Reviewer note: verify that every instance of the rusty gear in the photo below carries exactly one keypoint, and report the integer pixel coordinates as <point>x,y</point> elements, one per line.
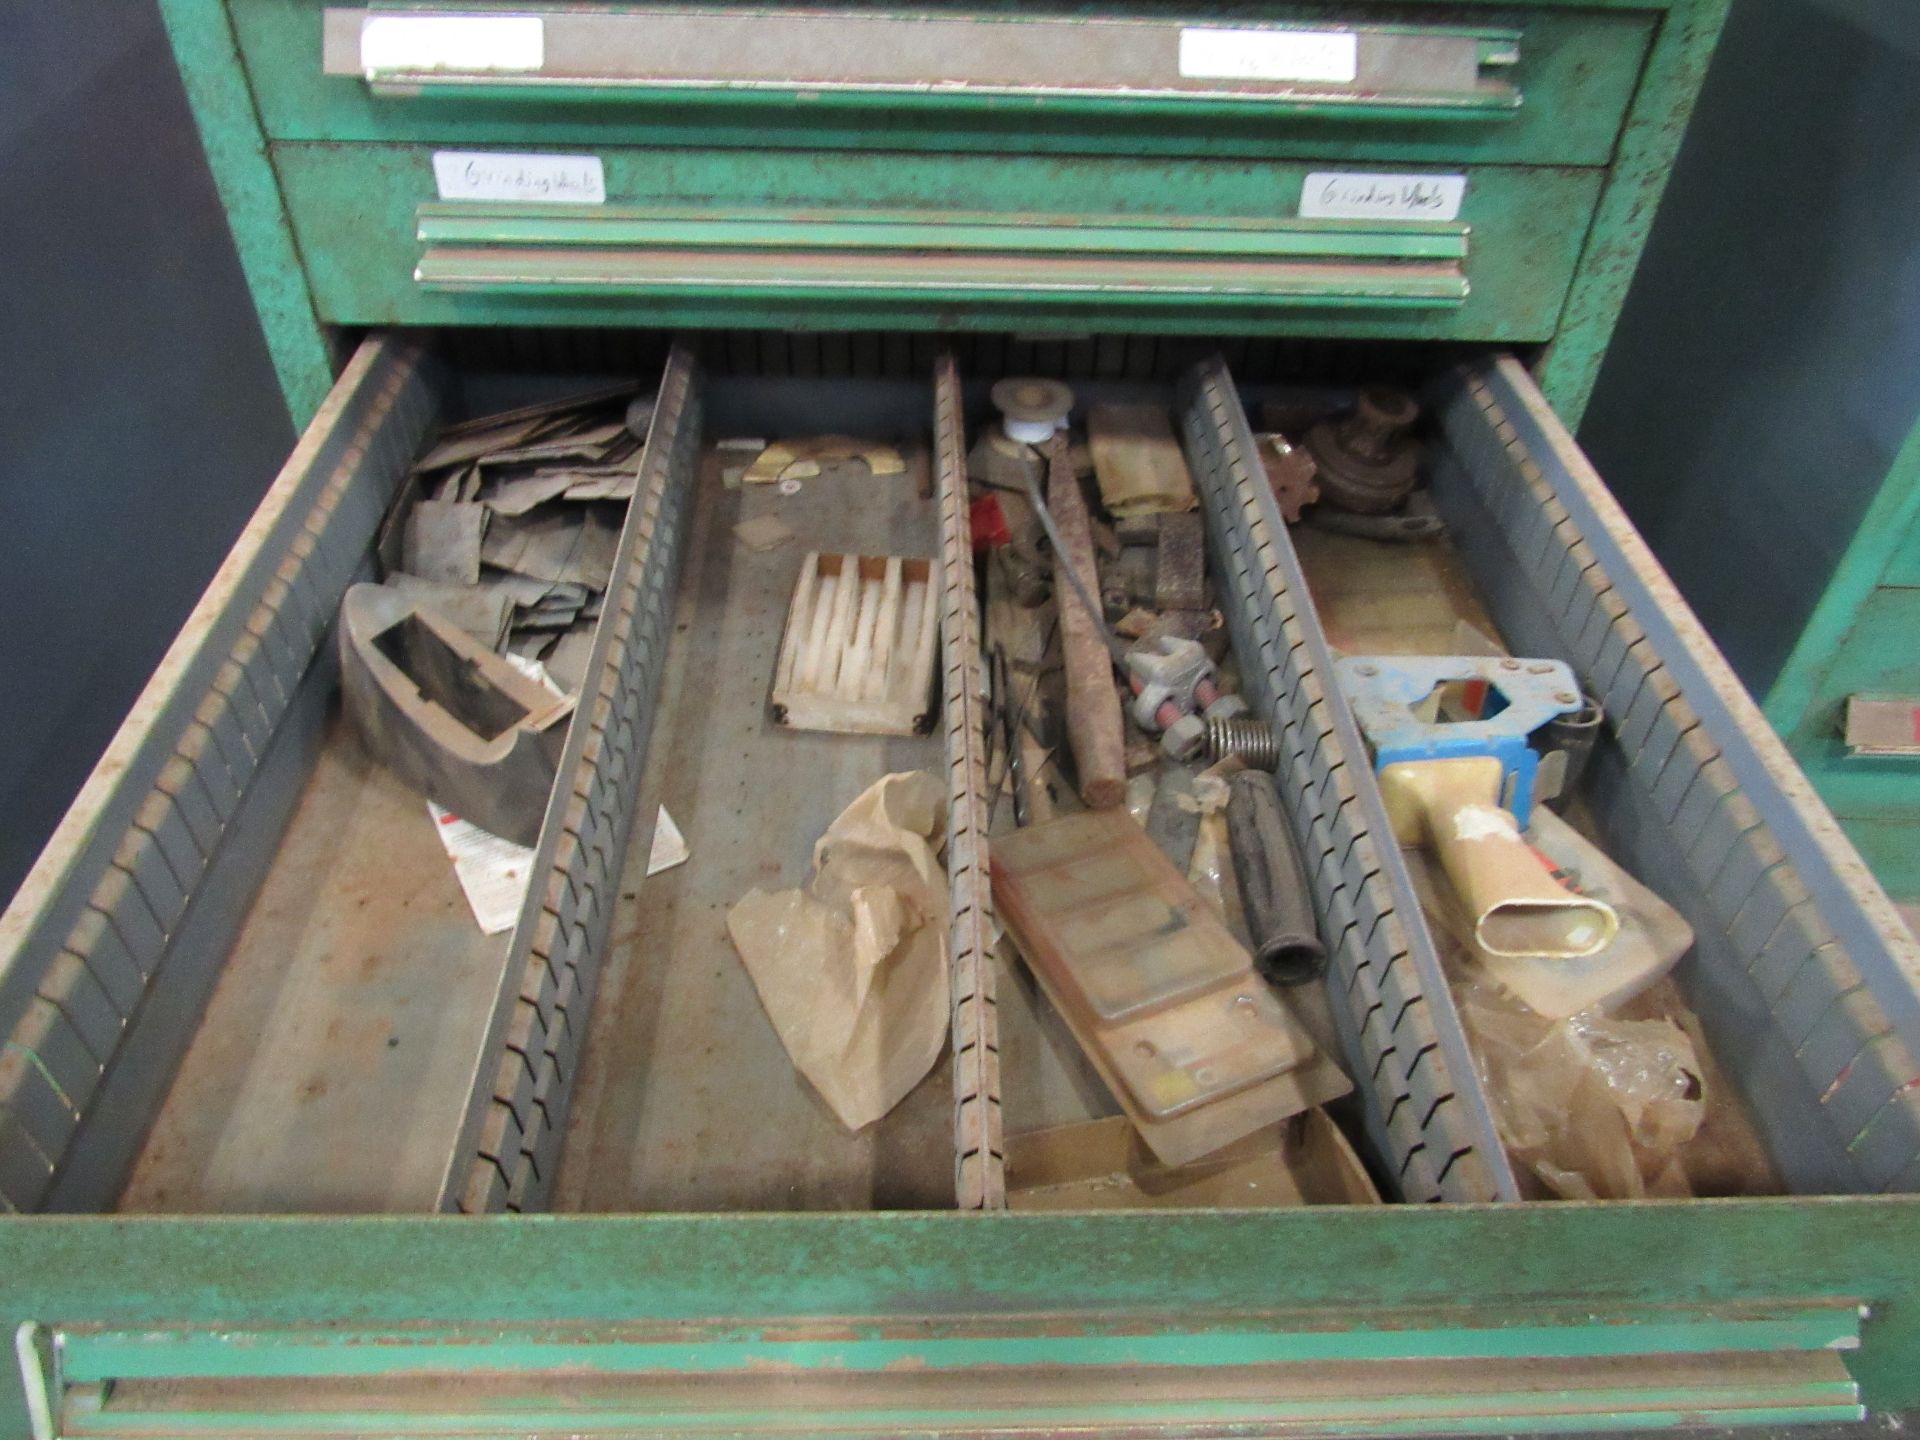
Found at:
<point>1290,474</point>
<point>1368,459</point>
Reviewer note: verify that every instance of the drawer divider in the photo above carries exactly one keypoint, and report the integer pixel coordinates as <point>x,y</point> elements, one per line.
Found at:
<point>979,1152</point>
<point>1425,1109</point>
<point>509,1142</point>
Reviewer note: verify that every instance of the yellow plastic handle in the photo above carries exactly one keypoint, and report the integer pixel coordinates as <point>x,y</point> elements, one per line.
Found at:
<point>1516,906</point>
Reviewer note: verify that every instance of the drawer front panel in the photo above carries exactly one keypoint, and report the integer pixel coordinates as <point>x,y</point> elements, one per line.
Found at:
<point>1362,82</point>
<point>712,238</point>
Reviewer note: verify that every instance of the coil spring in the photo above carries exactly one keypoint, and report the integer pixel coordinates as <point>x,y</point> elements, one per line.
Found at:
<point>1252,740</point>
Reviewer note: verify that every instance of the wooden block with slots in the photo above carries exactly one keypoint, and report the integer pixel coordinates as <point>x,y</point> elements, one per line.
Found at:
<point>859,646</point>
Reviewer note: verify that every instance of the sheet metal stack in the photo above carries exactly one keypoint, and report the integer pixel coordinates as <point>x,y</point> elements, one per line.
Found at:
<point>512,524</point>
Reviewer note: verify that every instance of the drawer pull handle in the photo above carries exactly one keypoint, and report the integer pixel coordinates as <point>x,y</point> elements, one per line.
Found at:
<point>1433,1371</point>
<point>531,250</point>
<point>849,58</point>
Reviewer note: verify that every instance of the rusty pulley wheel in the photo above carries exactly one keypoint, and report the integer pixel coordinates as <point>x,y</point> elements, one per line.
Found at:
<point>1368,458</point>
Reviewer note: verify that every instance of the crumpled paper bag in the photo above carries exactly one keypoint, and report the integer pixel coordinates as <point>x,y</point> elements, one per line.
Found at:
<point>853,970</point>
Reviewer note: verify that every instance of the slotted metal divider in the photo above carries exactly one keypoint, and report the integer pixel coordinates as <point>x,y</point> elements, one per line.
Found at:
<point>980,1181</point>
<point>510,1141</point>
<point>1425,1110</point>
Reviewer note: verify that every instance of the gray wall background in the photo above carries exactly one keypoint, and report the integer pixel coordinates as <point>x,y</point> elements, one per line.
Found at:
<point>1768,364</point>
<point>139,418</point>
<point>1767,367</point>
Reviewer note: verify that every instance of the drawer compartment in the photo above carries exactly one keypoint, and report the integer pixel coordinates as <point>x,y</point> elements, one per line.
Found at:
<point>1495,85</point>
<point>712,238</point>
<point>282,882</point>
<point>610,1055</point>
<point>355,994</point>
<point>1801,974</point>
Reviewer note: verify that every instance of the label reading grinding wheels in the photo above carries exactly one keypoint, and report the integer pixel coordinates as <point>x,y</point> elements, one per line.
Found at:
<point>550,179</point>
<point>1331,195</point>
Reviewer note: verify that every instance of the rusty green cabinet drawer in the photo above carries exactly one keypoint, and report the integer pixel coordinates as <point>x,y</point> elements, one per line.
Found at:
<point>691,1303</point>
<point>717,238</point>
<point>1378,82</point>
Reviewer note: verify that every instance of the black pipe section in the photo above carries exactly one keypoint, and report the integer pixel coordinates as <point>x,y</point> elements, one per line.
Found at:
<point>1273,883</point>
<point>1574,735</point>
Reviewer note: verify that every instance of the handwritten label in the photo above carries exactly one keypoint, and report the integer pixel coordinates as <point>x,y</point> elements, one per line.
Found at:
<point>462,44</point>
<point>555,179</point>
<point>1330,57</point>
<point>1330,195</point>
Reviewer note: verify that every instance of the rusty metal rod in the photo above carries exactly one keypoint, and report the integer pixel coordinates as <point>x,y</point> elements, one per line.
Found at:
<point>1096,728</point>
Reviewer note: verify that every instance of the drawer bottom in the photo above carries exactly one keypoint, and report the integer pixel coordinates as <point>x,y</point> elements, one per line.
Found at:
<point>331,1066</point>
<point>686,1099</point>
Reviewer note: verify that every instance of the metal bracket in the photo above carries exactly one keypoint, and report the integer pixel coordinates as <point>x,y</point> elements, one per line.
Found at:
<point>1386,692</point>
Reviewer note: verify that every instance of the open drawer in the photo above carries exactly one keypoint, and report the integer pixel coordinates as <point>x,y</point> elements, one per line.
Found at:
<point>608,1057</point>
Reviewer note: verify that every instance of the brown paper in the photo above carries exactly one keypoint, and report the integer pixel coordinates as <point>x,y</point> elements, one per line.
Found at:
<point>853,970</point>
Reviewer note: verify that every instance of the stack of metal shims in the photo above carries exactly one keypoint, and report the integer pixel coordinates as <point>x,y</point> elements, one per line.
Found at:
<point>514,522</point>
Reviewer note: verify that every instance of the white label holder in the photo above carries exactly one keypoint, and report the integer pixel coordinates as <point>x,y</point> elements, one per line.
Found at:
<point>1322,57</point>
<point>459,44</point>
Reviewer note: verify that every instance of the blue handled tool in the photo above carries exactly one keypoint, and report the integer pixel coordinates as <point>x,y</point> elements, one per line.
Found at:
<point>1450,737</point>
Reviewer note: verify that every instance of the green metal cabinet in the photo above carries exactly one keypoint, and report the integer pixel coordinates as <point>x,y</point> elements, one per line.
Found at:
<point>306,160</point>
<point>1767,450</point>
<point>1862,644</point>
<point>1078,196</point>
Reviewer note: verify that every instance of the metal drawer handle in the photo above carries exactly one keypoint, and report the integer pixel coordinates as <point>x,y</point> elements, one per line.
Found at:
<point>851,58</point>
<point>894,255</point>
<point>1432,1370</point>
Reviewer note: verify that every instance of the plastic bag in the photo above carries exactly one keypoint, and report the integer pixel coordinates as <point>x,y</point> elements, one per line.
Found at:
<point>1210,867</point>
<point>1597,1108</point>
